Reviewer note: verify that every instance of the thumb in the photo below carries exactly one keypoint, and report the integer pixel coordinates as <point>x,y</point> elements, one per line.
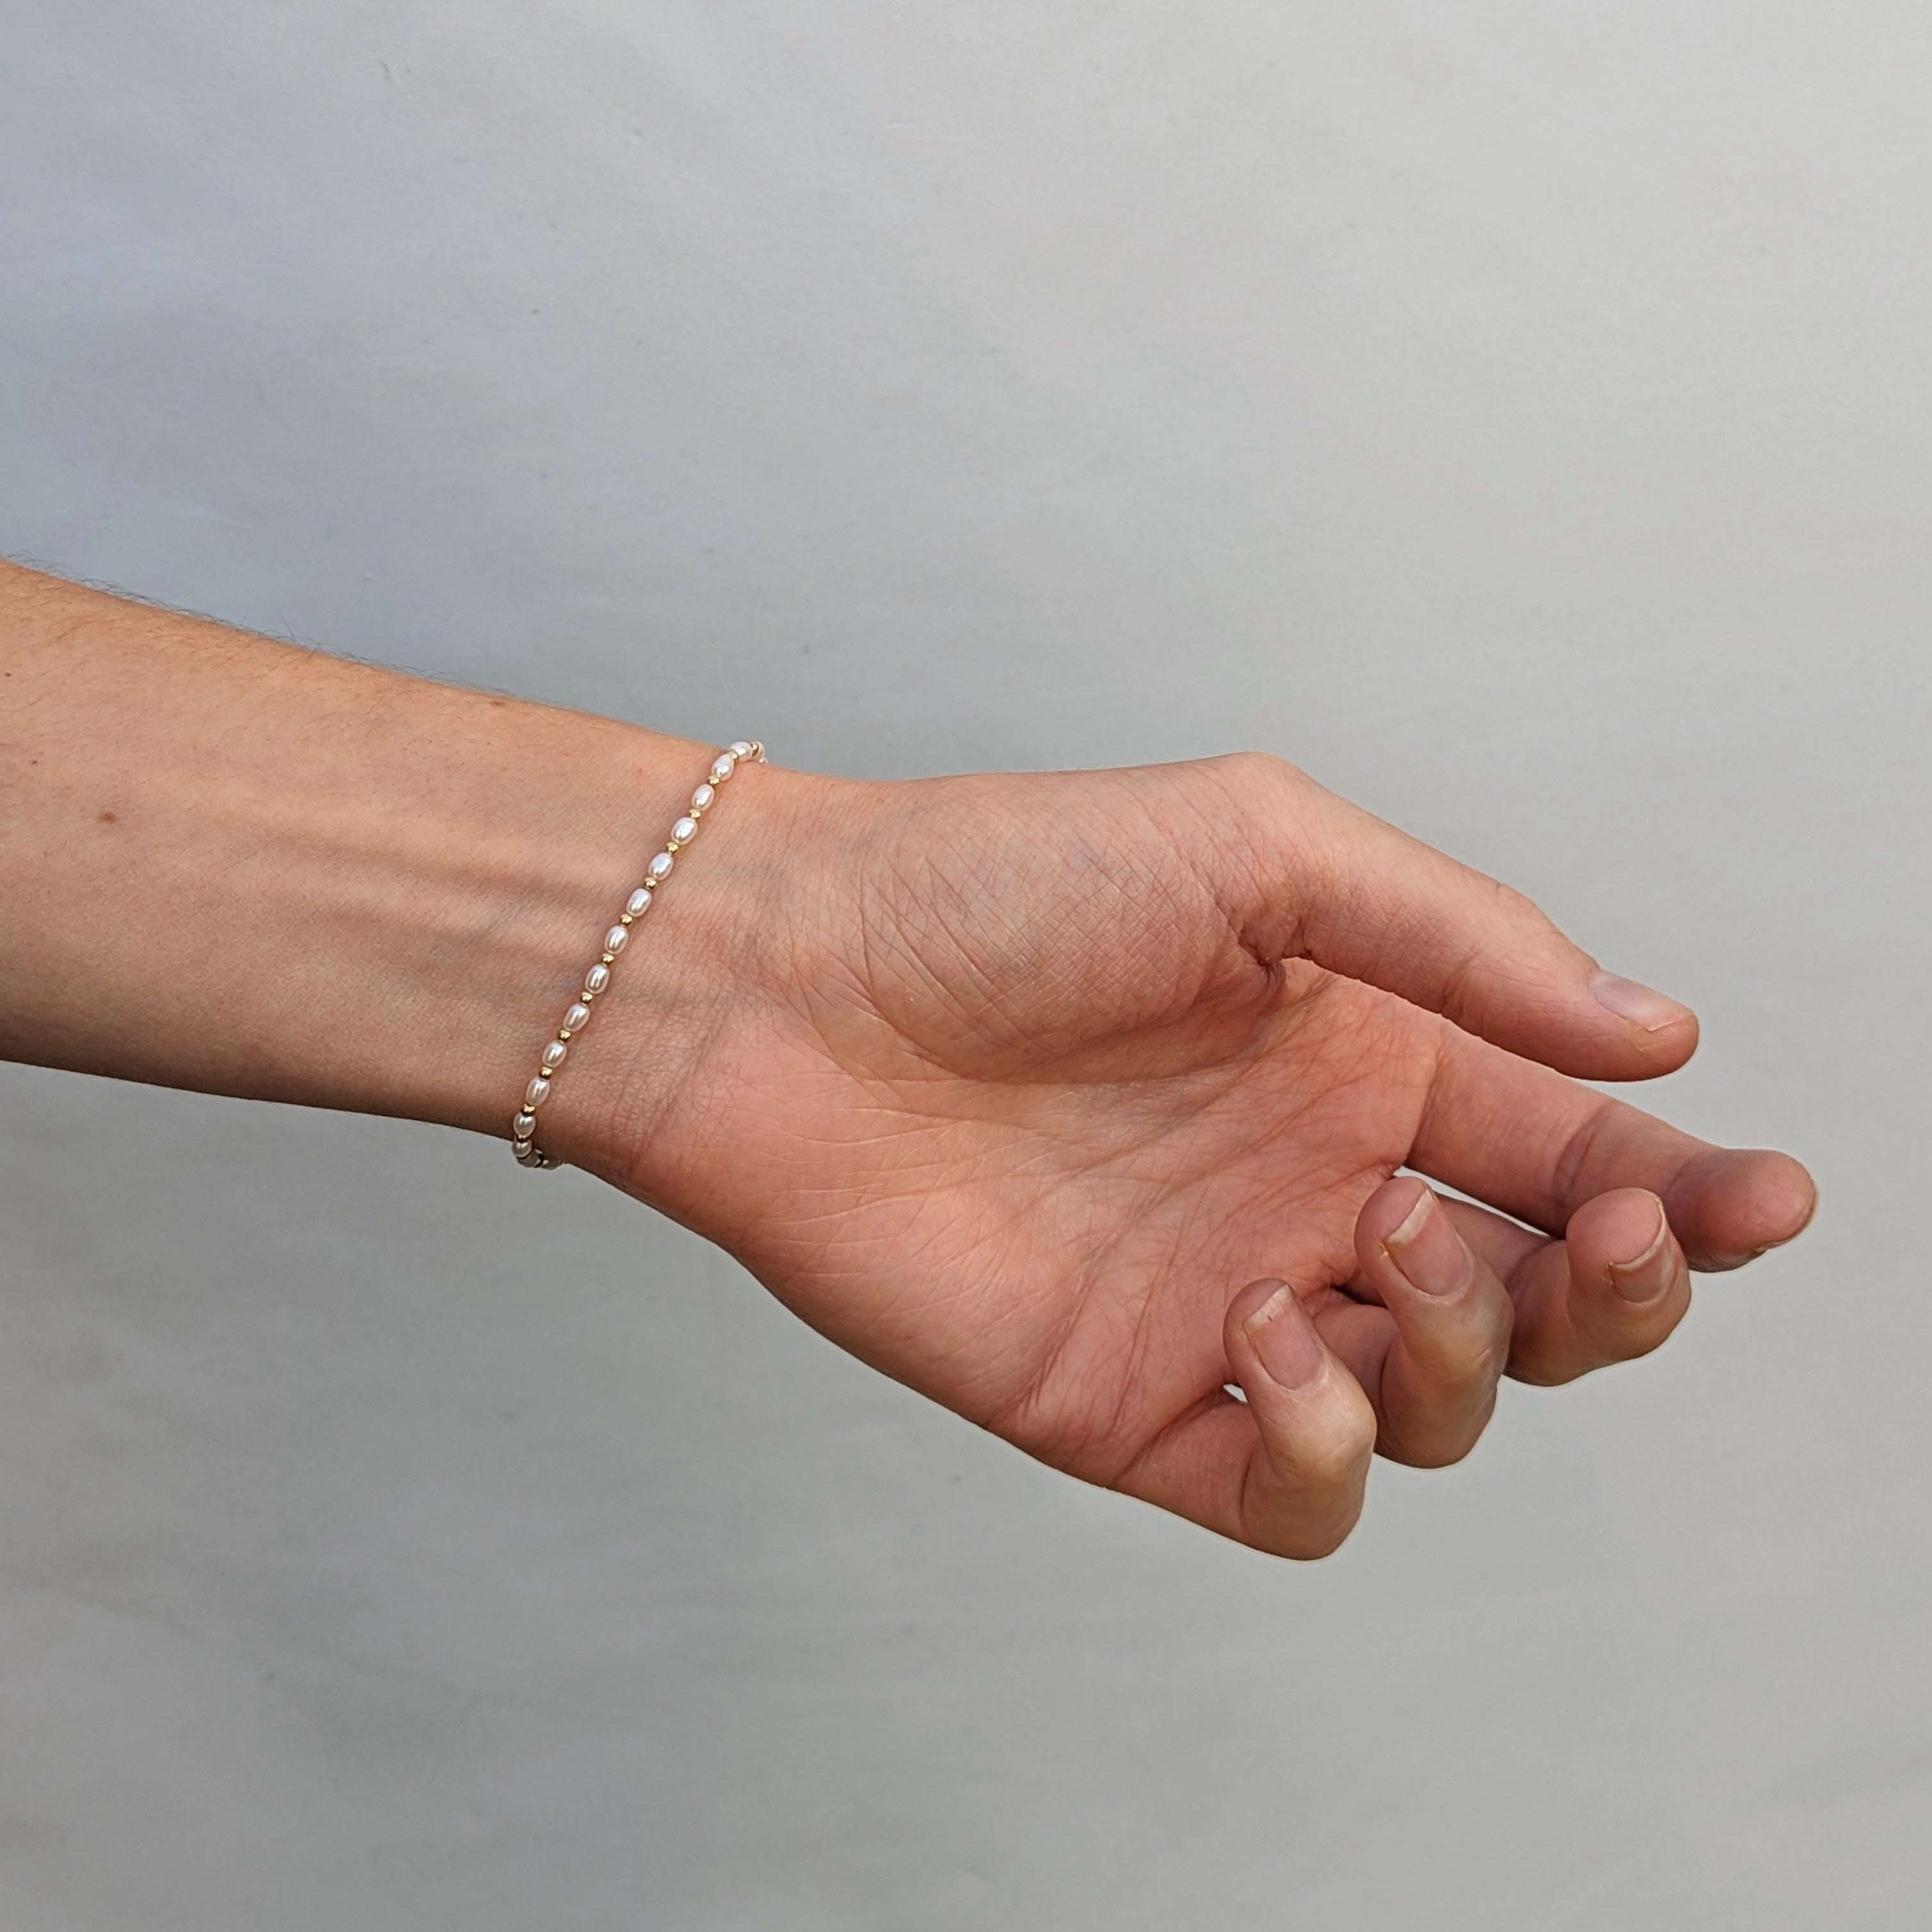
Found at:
<point>1311,876</point>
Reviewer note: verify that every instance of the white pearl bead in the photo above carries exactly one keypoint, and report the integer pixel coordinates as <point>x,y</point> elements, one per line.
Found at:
<point>523,1125</point>
<point>722,768</point>
<point>555,1054</point>
<point>639,902</point>
<point>703,797</point>
<point>597,979</point>
<point>576,1017</point>
<point>741,748</point>
<point>536,1093</point>
<point>659,868</point>
<point>685,830</point>
<point>527,1154</point>
<point>616,939</point>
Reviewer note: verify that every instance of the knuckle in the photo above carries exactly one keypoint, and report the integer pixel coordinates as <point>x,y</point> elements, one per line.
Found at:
<point>1517,906</point>
<point>1244,777</point>
<point>1361,1430</point>
<point>1308,1541</point>
<point>1318,1476</point>
<point>1507,907</point>
<point>1537,1364</point>
<point>1332,1457</point>
<point>1260,768</point>
<point>1469,1357</point>
<point>1327,1465</point>
<point>1572,1159</point>
<point>1628,1338</point>
<point>1442,1449</point>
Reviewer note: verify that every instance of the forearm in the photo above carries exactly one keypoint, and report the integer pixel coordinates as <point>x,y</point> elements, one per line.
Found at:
<point>232,864</point>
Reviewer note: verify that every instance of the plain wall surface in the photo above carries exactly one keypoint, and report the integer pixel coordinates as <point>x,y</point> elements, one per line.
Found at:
<point>1519,415</point>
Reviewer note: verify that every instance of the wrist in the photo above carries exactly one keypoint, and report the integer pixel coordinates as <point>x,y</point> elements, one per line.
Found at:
<point>674,1044</point>
<point>545,831</point>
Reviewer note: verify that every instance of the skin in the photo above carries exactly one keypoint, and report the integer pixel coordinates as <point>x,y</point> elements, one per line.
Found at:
<point>1075,1101</point>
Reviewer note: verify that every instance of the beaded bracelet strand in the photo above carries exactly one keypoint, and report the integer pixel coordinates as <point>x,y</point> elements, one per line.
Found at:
<point>523,1129</point>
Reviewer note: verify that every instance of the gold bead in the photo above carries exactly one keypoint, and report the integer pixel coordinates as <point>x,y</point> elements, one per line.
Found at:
<point>625,918</point>
<point>609,959</point>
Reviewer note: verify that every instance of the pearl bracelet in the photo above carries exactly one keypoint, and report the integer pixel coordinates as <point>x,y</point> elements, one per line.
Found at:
<point>523,1129</point>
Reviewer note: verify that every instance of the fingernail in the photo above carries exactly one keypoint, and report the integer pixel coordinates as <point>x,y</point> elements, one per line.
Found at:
<point>1642,1006</point>
<point>1285,1339</point>
<point>1641,1279</point>
<point>1427,1249</point>
<point>1709,1264</point>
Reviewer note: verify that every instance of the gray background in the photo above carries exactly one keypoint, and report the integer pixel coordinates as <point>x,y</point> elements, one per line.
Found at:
<point>1518,413</point>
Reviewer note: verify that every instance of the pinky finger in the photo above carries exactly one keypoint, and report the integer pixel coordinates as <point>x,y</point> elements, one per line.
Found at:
<point>1315,1428</point>
<point>1284,1470</point>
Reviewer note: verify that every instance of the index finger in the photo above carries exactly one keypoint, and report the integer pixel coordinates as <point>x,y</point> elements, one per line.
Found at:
<point>1537,1146</point>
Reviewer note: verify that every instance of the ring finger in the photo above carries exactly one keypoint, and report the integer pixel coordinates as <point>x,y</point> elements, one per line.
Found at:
<point>1430,1356</point>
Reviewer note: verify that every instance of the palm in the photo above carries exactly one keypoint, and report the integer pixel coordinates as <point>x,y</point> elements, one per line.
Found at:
<point>1029,1188</point>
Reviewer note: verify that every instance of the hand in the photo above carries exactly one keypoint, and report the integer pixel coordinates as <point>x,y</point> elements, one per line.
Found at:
<point>1074,1101</point>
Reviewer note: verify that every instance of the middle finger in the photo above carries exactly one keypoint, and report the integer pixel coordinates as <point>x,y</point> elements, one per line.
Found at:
<point>1612,1289</point>
<point>1444,1337</point>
